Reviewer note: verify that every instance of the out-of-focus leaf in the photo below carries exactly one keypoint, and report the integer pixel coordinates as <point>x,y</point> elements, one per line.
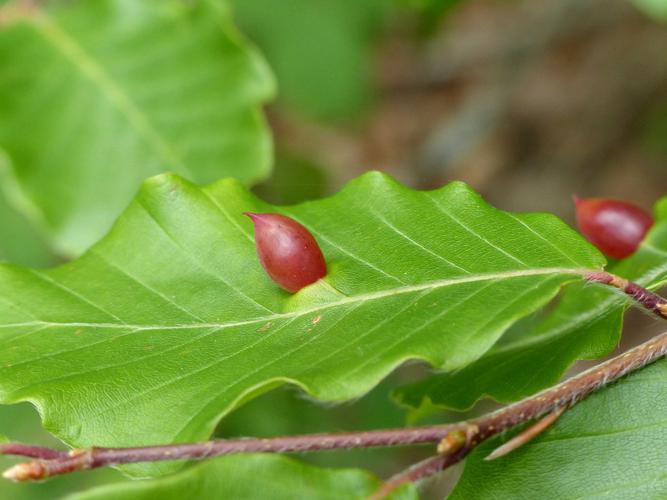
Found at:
<point>294,180</point>
<point>431,11</point>
<point>655,130</point>
<point>611,446</point>
<point>170,321</point>
<point>320,51</point>
<point>654,8</point>
<point>19,241</point>
<point>96,96</point>
<point>586,324</point>
<point>285,411</point>
<point>250,476</point>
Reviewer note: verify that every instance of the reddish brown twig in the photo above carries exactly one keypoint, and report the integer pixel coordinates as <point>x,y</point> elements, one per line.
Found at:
<point>558,398</point>
<point>455,440</point>
<point>420,470</point>
<point>526,435</point>
<point>563,395</point>
<point>647,299</point>
<point>101,457</point>
<point>24,450</point>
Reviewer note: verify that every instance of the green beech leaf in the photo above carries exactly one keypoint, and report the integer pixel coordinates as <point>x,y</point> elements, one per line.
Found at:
<point>586,324</point>
<point>170,321</point>
<point>611,446</point>
<point>250,476</point>
<point>97,96</point>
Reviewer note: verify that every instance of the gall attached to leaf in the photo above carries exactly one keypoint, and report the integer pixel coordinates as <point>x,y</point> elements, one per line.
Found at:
<point>615,227</point>
<point>288,252</point>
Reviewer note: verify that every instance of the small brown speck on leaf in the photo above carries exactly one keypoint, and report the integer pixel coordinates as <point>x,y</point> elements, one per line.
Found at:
<point>265,327</point>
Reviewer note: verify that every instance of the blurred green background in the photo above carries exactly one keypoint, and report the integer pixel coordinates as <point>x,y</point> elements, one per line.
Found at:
<point>527,101</point>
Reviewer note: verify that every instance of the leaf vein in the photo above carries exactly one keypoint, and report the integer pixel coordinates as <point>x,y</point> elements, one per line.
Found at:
<point>416,244</point>
<point>474,233</point>
<point>348,252</point>
<point>186,254</point>
<point>378,295</point>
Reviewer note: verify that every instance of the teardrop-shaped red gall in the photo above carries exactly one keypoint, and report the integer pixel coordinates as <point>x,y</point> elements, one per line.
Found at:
<point>288,252</point>
<point>615,227</point>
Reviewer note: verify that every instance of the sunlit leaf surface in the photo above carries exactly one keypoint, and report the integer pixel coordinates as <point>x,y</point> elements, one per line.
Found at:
<point>170,321</point>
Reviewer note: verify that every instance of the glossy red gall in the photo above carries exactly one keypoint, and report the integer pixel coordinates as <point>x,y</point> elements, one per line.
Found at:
<point>615,227</point>
<point>288,252</point>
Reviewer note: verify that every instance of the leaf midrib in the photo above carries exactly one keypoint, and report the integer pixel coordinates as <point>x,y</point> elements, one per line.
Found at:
<point>361,298</point>
<point>590,315</point>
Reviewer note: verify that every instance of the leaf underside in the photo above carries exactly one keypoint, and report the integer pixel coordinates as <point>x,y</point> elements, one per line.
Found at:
<point>611,446</point>
<point>97,96</point>
<point>170,322</point>
<point>586,324</point>
<point>250,476</point>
